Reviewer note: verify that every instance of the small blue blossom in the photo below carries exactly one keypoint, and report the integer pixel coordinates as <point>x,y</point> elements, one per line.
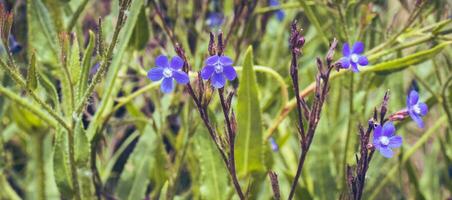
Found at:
<point>14,46</point>
<point>353,58</point>
<point>216,69</point>
<point>215,19</point>
<point>385,139</point>
<point>416,109</point>
<point>273,144</point>
<point>279,13</point>
<point>168,71</point>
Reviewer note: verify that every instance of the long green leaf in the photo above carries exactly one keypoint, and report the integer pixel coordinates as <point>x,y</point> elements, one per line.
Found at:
<point>213,179</point>
<point>60,165</point>
<point>86,64</point>
<point>137,171</point>
<point>83,161</point>
<point>249,142</point>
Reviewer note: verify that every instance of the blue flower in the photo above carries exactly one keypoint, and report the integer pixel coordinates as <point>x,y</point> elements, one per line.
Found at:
<point>416,109</point>
<point>353,58</point>
<point>216,69</point>
<point>215,19</point>
<point>14,46</point>
<point>385,139</point>
<point>168,71</point>
<point>279,13</point>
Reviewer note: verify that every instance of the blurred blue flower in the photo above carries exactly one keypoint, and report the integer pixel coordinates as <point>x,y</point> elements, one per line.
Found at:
<point>273,144</point>
<point>217,68</point>
<point>385,139</point>
<point>168,71</point>
<point>14,46</point>
<point>279,13</point>
<point>353,58</point>
<point>416,109</point>
<point>215,19</point>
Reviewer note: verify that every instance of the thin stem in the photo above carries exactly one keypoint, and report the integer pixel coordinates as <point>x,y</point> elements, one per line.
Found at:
<point>231,135</point>
<point>76,15</point>
<point>298,174</point>
<point>75,183</point>
<point>18,79</point>
<point>106,59</point>
<point>39,142</point>
<point>349,127</point>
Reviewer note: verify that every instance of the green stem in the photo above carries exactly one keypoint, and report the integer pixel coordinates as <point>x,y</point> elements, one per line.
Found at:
<point>444,100</point>
<point>76,15</point>
<point>32,108</point>
<point>39,144</point>
<point>392,172</point>
<point>72,165</point>
<point>347,137</point>
<point>18,79</point>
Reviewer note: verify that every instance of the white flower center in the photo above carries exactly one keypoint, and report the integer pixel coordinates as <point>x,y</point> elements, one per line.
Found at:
<point>417,109</point>
<point>354,58</point>
<point>218,68</point>
<point>384,140</point>
<point>167,73</point>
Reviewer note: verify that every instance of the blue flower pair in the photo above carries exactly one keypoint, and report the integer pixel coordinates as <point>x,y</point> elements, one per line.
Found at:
<point>217,69</point>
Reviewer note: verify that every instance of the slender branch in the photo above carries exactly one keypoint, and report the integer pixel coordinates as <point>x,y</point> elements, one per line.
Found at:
<point>76,15</point>
<point>106,59</point>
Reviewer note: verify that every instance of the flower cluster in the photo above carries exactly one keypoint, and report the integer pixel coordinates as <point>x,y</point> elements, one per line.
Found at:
<point>217,69</point>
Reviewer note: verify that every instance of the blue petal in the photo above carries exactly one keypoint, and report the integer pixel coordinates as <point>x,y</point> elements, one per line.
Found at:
<point>386,152</point>
<point>207,72</point>
<point>413,98</point>
<point>218,80</point>
<point>167,85</point>
<point>378,132</point>
<point>162,61</point>
<point>416,118</point>
<point>181,77</point>
<point>362,60</point>
<point>354,67</point>
<point>346,50</point>
<point>229,72</point>
<point>358,48</point>
<point>345,62</point>
<point>280,15</point>
<point>395,142</point>
<point>388,129</point>
<point>177,63</point>
<point>226,61</point>
<point>212,60</point>
<point>155,73</point>
<point>423,107</point>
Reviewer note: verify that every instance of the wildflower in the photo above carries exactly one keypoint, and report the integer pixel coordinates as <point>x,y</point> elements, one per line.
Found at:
<point>279,13</point>
<point>216,69</point>
<point>14,46</point>
<point>353,58</point>
<point>385,139</point>
<point>168,71</point>
<point>215,19</point>
<point>273,144</point>
<point>415,108</point>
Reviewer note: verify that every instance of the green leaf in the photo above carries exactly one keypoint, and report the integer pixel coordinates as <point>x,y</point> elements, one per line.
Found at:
<point>402,63</point>
<point>60,165</point>
<point>74,62</point>
<point>249,141</point>
<point>82,160</point>
<point>136,175</point>
<point>86,65</point>
<point>141,33</point>
<point>41,32</point>
<point>213,179</point>
<point>32,75</point>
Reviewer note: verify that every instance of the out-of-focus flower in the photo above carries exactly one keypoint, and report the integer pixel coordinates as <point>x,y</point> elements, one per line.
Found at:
<point>416,109</point>
<point>273,144</point>
<point>215,19</point>
<point>216,69</point>
<point>385,139</point>
<point>14,46</point>
<point>278,13</point>
<point>168,71</point>
<point>353,58</point>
